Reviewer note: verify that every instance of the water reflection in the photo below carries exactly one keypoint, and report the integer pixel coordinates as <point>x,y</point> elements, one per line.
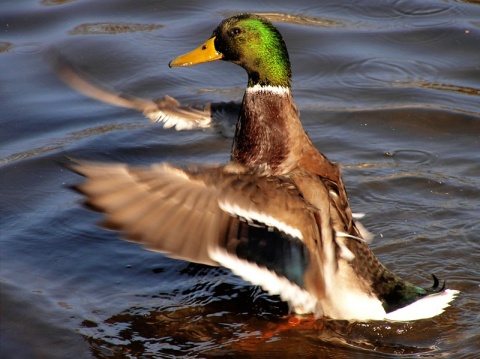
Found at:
<point>55,2</point>
<point>439,86</point>
<point>5,46</point>
<point>112,28</point>
<point>298,19</point>
<point>222,316</point>
<point>412,156</point>
<point>384,71</point>
<point>73,137</point>
<point>244,322</point>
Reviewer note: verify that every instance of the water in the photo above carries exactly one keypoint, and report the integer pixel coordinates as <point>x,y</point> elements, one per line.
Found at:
<point>389,89</point>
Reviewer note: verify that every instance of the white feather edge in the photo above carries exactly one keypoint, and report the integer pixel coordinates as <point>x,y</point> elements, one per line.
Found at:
<point>302,301</point>
<point>177,122</point>
<point>358,215</point>
<point>424,308</point>
<point>270,221</point>
<point>365,233</point>
<point>345,253</point>
<point>277,90</point>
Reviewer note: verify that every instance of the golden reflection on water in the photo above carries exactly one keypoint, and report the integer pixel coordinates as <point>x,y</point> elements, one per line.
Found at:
<point>72,137</point>
<point>108,28</point>
<point>448,87</point>
<point>6,46</point>
<point>299,19</point>
<point>55,2</point>
<point>209,330</point>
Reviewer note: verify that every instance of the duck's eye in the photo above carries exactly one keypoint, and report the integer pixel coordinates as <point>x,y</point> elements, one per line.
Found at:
<point>235,31</point>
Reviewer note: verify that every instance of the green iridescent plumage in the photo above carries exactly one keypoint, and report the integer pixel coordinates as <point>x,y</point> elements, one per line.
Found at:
<point>255,44</point>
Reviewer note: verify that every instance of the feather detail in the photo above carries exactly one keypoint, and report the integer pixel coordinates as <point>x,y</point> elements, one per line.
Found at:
<point>173,115</point>
<point>167,110</point>
<point>426,307</point>
<point>302,300</point>
<point>276,90</point>
<point>346,235</point>
<point>235,210</point>
<point>345,253</point>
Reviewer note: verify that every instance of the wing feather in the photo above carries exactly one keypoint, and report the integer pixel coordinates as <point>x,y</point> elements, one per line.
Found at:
<point>194,213</point>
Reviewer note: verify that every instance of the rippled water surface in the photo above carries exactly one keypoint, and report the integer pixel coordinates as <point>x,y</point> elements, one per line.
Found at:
<point>391,89</point>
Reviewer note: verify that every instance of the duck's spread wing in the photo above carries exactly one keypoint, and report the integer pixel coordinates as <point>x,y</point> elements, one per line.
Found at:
<point>159,206</point>
<point>249,221</point>
<point>220,116</point>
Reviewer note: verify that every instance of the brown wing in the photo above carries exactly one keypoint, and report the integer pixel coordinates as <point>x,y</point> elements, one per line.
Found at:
<point>157,206</point>
<point>166,110</point>
<point>186,213</point>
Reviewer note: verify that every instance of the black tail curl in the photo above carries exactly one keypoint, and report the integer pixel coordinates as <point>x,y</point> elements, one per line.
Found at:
<point>435,287</point>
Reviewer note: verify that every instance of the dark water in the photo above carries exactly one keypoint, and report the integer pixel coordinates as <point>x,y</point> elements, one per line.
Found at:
<point>391,89</point>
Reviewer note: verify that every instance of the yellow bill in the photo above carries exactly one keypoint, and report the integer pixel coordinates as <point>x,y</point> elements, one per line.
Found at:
<point>204,53</point>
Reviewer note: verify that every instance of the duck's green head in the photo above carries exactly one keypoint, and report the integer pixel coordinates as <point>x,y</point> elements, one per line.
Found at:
<point>250,41</point>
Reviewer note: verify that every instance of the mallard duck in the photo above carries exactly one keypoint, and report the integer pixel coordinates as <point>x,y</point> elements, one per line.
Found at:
<point>277,214</point>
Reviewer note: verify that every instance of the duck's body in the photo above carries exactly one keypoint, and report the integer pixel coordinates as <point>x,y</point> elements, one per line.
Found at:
<point>277,215</point>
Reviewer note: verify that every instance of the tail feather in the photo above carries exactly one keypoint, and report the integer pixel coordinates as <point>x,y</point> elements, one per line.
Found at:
<point>426,307</point>
<point>434,288</point>
<point>409,302</point>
